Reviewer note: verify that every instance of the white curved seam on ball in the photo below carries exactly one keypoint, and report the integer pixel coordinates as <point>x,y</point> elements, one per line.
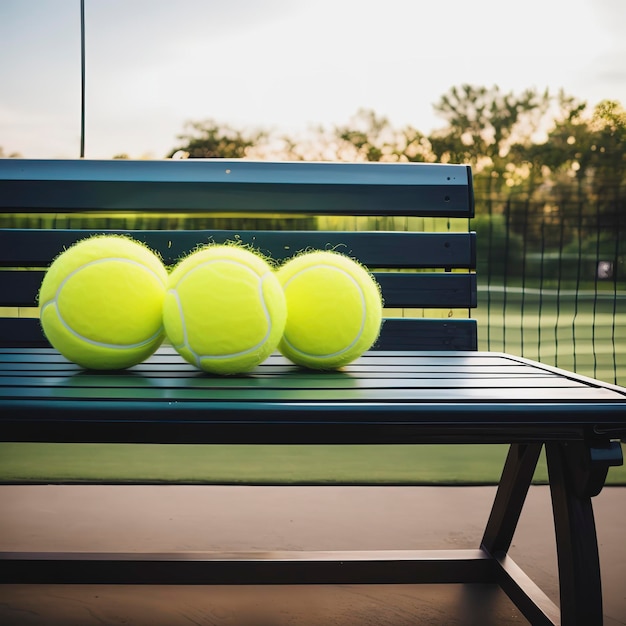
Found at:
<point>97,262</point>
<point>185,343</point>
<point>217,357</point>
<point>101,344</point>
<point>363,316</point>
<point>93,342</point>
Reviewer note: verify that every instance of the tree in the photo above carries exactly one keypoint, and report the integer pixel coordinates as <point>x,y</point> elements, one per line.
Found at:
<point>544,196</point>
<point>608,164</point>
<point>587,169</point>
<point>367,134</point>
<point>368,137</point>
<point>12,155</point>
<point>209,140</point>
<point>484,123</point>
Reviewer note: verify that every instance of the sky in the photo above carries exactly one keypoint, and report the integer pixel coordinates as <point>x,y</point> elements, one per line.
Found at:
<point>282,65</point>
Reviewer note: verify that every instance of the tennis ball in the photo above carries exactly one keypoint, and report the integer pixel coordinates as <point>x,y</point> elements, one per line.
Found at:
<point>224,309</point>
<point>101,302</point>
<point>334,309</point>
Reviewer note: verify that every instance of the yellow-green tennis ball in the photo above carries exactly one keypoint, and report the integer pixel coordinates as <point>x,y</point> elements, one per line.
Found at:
<point>102,302</point>
<point>334,310</point>
<point>224,310</point>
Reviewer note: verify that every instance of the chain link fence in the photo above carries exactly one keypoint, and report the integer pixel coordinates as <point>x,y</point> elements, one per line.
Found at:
<point>553,283</point>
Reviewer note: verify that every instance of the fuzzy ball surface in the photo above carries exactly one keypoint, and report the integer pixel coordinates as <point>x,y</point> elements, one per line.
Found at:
<point>334,309</point>
<point>224,309</point>
<point>101,302</point>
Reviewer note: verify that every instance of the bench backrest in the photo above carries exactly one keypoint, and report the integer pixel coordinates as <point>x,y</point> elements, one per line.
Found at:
<point>280,208</point>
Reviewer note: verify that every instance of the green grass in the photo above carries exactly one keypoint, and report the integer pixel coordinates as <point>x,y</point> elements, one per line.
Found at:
<point>264,464</point>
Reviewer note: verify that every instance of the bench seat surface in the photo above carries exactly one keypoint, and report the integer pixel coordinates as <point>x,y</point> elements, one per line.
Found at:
<point>385,396</point>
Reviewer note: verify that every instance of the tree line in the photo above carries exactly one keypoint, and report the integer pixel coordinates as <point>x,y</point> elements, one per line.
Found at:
<point>548,168</point>
<point>530,152</point>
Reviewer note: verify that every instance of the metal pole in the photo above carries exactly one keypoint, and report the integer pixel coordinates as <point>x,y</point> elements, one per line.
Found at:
<point>82,83</point>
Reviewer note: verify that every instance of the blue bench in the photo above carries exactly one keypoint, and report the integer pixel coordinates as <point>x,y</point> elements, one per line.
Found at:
<point>424,382</point>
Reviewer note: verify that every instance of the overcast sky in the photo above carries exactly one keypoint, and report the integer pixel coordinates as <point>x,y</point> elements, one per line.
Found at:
<point>282,65</point>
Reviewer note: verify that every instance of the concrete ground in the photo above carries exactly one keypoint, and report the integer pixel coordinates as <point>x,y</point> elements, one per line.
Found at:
<point>162,518</point>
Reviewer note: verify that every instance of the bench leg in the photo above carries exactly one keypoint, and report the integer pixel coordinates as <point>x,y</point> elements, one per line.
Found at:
<point>512,491</point>
<point>515,481</point>
<point>577,547</point>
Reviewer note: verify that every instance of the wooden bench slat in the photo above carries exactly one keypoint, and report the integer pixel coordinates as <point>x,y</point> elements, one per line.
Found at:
<point>456,291</point>
<point>418,189</point>
<point>420,290</point>
<point>401,333</point>
<point>240,171</point>
<point>38,247</point>
<point>183,370</point>
<point>22,331</point>
<point>428,334</point>
<point>19,288</point>
<point>166,362</point>
<point>417,358</point>
<point>61,196</point>
<point>453,413</point>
